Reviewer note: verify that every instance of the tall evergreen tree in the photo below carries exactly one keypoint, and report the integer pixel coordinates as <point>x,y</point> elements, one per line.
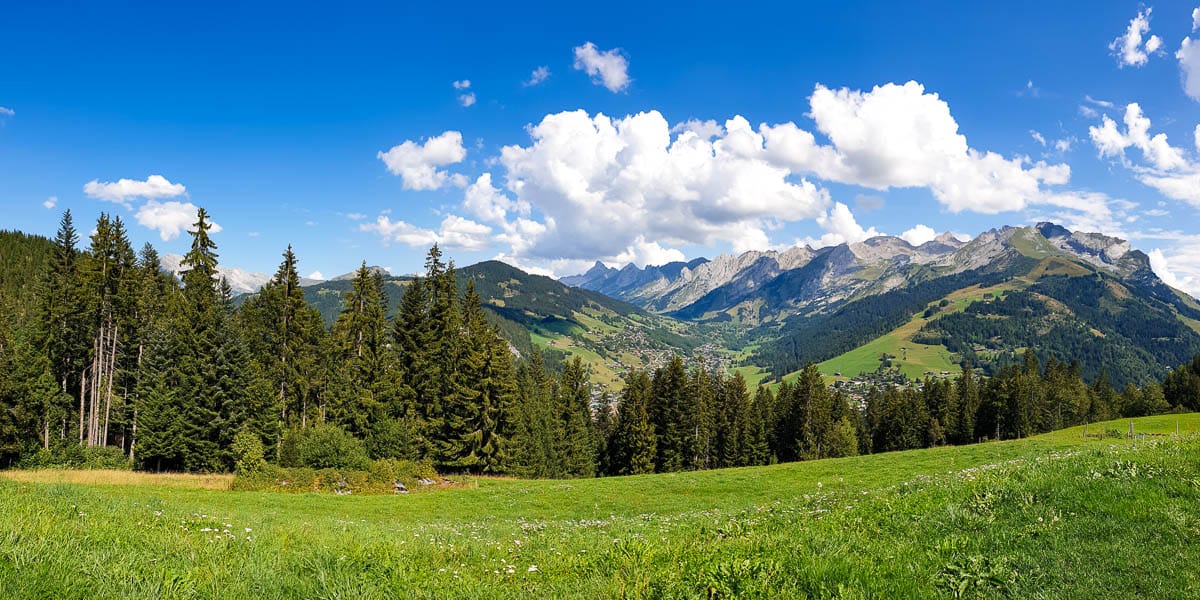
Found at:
<point>575,452</point>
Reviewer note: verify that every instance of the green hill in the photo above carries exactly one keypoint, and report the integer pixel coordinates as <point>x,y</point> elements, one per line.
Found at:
<point>1058,515</point>
<point>611,336</point>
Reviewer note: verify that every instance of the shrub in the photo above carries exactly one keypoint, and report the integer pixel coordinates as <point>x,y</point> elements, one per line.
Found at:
<point>74,456</point>
<point>323,447</point>
<point>378,477</point>
<point>248,453</point>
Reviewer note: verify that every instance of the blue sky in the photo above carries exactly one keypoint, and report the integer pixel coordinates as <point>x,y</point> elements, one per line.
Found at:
<point>652,133</point>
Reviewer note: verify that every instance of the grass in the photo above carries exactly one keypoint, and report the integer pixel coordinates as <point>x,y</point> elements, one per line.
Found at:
<point>753,376</point>
<point>122,478</point>
<point>1051,516</point>
<point>914,360</point>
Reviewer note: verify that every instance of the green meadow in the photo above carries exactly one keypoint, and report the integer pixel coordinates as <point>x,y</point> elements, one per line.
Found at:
<point>1054,516</point>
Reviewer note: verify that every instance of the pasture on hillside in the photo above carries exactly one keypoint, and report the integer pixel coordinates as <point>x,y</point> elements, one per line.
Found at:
<point>1050,516</point>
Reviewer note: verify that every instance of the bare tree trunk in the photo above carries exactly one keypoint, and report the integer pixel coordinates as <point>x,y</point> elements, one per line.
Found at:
<point>112,374</point>
<point>82,395</point>
<point>133,436</point>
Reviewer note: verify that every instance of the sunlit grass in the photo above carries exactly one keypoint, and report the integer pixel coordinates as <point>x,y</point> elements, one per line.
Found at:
<point>1051,516</point>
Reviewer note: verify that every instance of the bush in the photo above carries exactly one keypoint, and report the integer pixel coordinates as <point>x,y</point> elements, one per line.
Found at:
<point>74,456</point>
<point>323,447</point>
<point>248,453</point>
<point>379,477</point>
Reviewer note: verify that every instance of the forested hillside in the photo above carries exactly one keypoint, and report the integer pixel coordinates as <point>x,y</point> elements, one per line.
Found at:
<point>105,359</point>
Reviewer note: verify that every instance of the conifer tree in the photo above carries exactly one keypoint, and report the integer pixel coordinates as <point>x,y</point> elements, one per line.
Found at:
<point>61,315</point>
<point>668,413</point>
<point>762,427</point>
<point>575,452</point>
<point>634,440</point>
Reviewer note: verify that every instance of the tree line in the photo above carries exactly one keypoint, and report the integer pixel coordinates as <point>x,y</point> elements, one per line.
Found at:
<point>114,356</point>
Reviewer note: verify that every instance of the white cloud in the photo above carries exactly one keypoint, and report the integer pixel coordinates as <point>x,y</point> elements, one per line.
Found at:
<point>1037,137</point>
<point>1185,277</point>
<point>155,187</point>
<point>919,234</point>
<point>588,187</point>
<point>1112,143</point>
<point>316,275</point>
<point>417,164</point>
<point>600,183</point>
<point>354,216</point>
<point>1168,169</point>
<point>705,129</point>
<point>488,203</point>
<point>169,218</point>
<point>1064,145</point>
<point>465,234</point>
<point>538,75</point>
<point>7,112</point>
<point>462,84</point>
<point>1100,103</point>
<point>253,234</point>
<point>900,136</point>
<point>50,202</point>
<point>1129,48</point>
<point>1195,19</point>
<point>467,99</point>
<point>608,68</point>
<point>455,233</point>
<point>840,227</point>
<point>1189,66</point>
<point>643,253</point>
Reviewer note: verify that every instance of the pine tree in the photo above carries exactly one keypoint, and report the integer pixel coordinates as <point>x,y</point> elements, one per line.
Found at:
<point>762,427</point>
<point>668,412</point>
<point>633,443</point>
<point>575,451</point>
<point>534,421</point>
<point>61,324</point>
<point>363,351</point>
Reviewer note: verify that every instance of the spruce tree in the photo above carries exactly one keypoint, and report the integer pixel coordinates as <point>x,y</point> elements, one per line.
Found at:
<point>575,452</point>
<point>634,440</point>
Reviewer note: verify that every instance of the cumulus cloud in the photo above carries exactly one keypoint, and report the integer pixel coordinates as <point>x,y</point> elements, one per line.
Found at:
<point>538,75</point>
<point>900,136</point>
<point>608,68</point>
<point>919,234</point>
<point>1037,137</point>
<point>316,276</point>
<point>1195,19</point>
<point>1166,167</point>
<point>417,164</point>
<point>840,228</point>
<point>488,203</point>
<point>1129,48</point>
<point>601,182</point>
<point>50,202</point>
<point>467,99</point>
<point>455,233</point>
<point>1189,66</point>
<point>155,187</point>
<point>169,218</point>
<point>1188,281</point>
<point>635,188</point>
<point>462,84</point>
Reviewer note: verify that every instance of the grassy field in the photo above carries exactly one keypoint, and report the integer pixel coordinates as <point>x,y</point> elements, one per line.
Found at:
<point>1048,517</point>
<point>914,360</point>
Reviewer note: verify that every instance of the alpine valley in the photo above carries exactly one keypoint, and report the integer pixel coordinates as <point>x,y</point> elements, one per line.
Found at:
<point>880,307</point>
